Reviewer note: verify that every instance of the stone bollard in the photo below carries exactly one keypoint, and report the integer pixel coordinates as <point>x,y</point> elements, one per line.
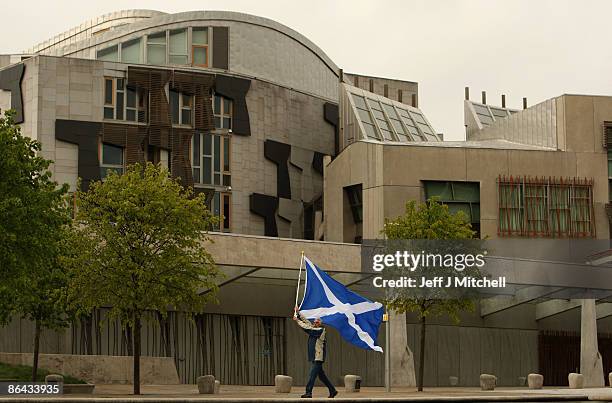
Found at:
<point>206,384</point>
<point>610,379</point>
<point>535,381</point>
<point>54,378</point>
<point>576,381</point>
<point>282,383</point>
<point>522,380</point>
<point>487,382</point>
<point>453,380</point>
<point>352,383</point>
<point>217,387</point>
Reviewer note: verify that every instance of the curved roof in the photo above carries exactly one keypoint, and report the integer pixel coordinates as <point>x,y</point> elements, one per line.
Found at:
<point>93,26</point>
<point>146,19</point>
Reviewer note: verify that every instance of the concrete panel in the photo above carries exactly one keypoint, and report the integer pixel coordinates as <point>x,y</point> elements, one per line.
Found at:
<point>579,125</point>
<point>102,369</point>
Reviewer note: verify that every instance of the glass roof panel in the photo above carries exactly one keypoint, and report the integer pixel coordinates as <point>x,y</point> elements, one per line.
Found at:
<point>387,120</point>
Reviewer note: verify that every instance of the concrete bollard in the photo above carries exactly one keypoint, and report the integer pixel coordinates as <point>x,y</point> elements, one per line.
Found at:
<point>487,382</point>
<point>522,380</point>
<point>535,381</point>
<point>610,379</point>
<point>206,384</point>
<point>217,387</point>
<point>282,383</point>
<point>453,380</point>
<point>352,383</point>
<point>54,378</point>
<point>576,381</point>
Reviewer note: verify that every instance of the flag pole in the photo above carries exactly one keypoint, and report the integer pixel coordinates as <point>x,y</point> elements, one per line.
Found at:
<point>387,351</point>
<point>297,290</point>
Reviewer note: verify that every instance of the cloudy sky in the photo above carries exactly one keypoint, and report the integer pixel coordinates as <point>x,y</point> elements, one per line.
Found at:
<point>521,48</point>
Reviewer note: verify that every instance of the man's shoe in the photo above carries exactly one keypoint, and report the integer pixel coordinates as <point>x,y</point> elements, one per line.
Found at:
<point>306,396</point>
<point>333,394</point>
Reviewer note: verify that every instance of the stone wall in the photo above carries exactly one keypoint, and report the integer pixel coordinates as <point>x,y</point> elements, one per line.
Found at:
<point>101,369</point>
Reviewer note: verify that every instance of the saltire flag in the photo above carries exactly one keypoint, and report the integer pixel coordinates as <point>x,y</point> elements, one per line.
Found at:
<point>356,318</point>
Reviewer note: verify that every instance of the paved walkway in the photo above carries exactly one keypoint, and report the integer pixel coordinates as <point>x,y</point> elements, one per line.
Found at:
<point>230,394</point>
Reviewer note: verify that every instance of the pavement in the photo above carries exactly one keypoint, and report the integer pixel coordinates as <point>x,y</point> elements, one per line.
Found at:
<point>251,394</point>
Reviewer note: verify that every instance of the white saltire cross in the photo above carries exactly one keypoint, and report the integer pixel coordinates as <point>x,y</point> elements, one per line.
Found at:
<point>340,307</point>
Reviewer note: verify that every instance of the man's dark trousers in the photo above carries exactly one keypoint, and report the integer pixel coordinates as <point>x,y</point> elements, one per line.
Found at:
<point>317,370</point>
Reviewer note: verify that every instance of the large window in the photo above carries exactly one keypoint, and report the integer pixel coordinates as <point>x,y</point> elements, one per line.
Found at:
<point>124,103</point>
<point>211,159</point>
<point>131,51</point>
<point>111,158</point>
<point>181,108</point>
<point>545,207</point>
<point>156,48</point>
<point>199,48</point>
<point>178,47</point>
<point>110,54</point>
<point>223,112</point>
<point>458,196</point>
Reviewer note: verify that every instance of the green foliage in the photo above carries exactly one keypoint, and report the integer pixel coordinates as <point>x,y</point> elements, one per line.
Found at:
<point>33,213</point>
<point>23,373</point>
<point>140,241</point>
<point>432,221</point>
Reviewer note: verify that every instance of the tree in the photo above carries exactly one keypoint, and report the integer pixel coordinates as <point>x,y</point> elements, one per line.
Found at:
<point>142,240</point>
<point>33,215</point>
<point>429,221</point>
<point>42,296</point>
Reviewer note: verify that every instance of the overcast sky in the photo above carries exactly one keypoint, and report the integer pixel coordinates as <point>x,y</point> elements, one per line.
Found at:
<point>521,48</point>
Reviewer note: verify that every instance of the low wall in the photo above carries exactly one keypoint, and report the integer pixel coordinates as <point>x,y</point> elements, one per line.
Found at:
<point>102,369</point>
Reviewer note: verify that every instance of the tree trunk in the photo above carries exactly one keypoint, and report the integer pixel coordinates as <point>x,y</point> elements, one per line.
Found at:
<point>136,344</point>
<point>422,356</point>
<point>36,349</point>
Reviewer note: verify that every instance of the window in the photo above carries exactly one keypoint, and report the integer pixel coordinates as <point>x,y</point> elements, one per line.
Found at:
<point>131,51</point>
<point>220,207</point>
<point>112,159</point>
<point>110,54</point>
<point>124,103</point>
<point>365,117</point>
<point>156,48</point>
<point>545,207</point>
<point>355,199</point>
<point>211,159</point>
<point>199,48</point>
<point>223,112</point>
<point>458,196</point>
<point>411,126</point>
<point>181,108</point>
<point>381,121</point>
<point>178,46</point>
<point>396,122</point>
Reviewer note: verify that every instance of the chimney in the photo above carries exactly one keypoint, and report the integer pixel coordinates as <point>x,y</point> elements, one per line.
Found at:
<point>503,100</point>
<point>467,93</point>
<point>484,97</point>
<point>524,103</point>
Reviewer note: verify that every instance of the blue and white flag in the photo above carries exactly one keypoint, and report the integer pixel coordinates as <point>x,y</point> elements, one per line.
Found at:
<point>355,317</point>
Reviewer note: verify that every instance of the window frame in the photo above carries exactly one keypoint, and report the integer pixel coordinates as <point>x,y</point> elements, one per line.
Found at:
<point>222,115</point>
<point>181,108</point>
<point>138,94</point>
<point>205,46</point>
<point>104,167</point>
<point>225,141</point>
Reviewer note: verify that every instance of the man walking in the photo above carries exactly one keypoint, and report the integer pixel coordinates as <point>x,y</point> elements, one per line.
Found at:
<point>316,352</point>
